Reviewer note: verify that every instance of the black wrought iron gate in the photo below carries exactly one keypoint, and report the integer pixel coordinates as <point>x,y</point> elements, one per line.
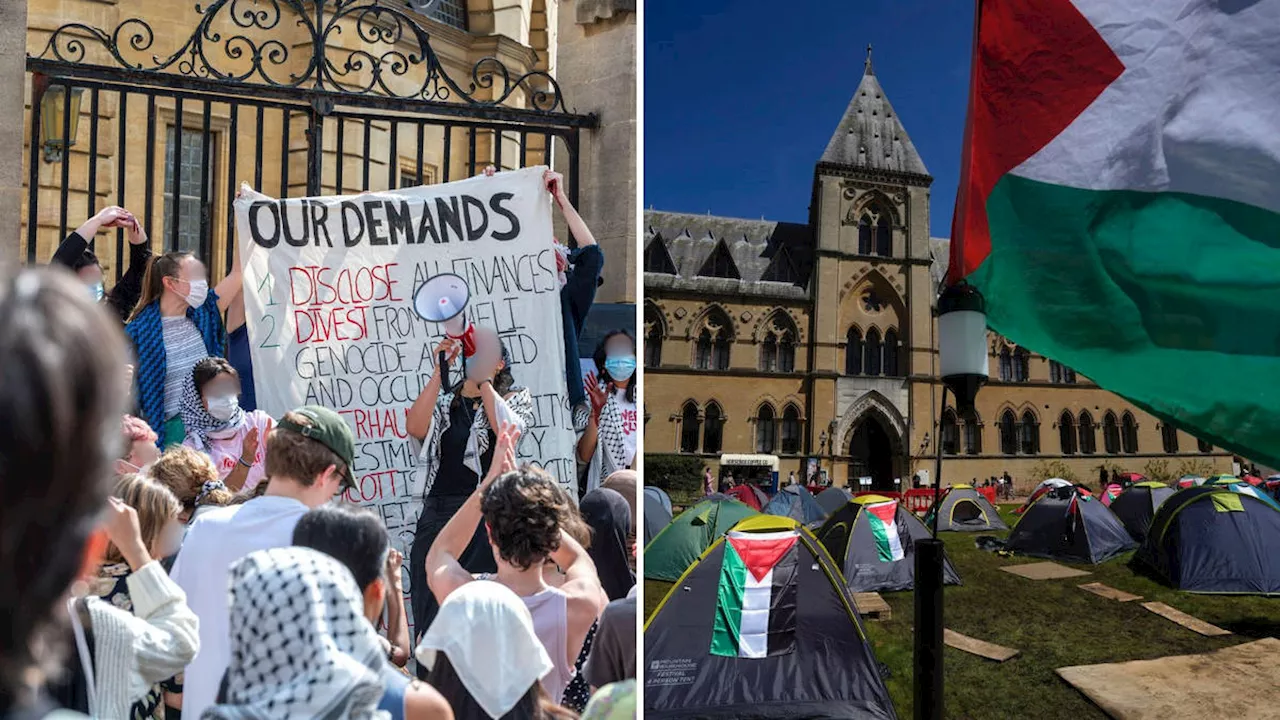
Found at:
<point>296,98</point>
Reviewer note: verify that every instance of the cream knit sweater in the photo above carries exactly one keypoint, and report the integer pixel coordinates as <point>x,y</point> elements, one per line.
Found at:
<point>133,651</point>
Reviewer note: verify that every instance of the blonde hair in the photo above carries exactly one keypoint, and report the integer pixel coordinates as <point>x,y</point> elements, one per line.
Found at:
<point>184,471</point>
<point>155,506</point>
<point>570,519</point>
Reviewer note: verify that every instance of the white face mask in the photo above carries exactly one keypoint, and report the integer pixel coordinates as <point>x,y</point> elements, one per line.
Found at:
<point>199,293</point>
<point>223,407</point>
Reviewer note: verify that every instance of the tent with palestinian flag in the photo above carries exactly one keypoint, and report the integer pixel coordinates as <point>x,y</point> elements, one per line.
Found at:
<point>1118,204</point>
<point>761,627</point>
<point>873,540</point>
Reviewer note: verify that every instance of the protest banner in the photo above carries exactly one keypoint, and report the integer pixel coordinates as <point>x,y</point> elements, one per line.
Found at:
<point>329,284</point>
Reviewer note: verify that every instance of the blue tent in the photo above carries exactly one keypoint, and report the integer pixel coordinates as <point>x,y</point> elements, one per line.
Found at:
<point>797,503</point>
<point>1210,540</point>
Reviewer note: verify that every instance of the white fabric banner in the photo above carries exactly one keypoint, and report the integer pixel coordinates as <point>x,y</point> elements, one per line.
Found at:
<point>329,286</point>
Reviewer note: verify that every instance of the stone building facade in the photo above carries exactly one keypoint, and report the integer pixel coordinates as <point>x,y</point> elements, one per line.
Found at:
<point>819,340</point>
<point>523,35</point>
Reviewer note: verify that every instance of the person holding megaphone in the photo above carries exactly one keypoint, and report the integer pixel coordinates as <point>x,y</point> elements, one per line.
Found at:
<point>453,432</point>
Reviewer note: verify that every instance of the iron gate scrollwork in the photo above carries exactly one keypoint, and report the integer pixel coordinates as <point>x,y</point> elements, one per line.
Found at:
<point>330,96</point>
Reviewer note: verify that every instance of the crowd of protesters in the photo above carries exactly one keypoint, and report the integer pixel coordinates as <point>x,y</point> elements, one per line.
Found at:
<point>170,549</point>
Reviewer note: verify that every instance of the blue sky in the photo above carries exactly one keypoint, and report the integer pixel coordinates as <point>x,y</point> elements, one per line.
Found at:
<point>741,96</point>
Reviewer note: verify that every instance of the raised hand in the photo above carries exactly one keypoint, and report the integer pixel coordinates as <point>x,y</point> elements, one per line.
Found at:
<point>122,528</point>
<point>489,171</point>
<point>504,454</point>
<point>134,231</point>
<point>249,446</point>
<point>595,393</point>
<point>554,182</point>
<point>395,561</point>
<point>450,347</point>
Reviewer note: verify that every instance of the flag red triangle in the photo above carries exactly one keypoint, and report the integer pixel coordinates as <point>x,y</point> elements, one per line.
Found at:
<point>760,555</point>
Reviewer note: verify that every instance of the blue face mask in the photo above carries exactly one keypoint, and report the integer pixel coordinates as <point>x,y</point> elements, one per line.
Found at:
<point>620,367</point>
<point>96,292</point>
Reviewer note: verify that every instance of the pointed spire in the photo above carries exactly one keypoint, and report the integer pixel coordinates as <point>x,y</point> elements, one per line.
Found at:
<point>866,67</point>
<point>870,135</point>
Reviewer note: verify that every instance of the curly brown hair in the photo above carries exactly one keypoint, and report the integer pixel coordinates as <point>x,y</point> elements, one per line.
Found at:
<point>522,512</point>
<point>184,471</point>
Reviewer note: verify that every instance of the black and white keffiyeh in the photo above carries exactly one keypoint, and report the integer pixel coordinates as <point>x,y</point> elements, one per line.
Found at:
<point>516,409</point>
<point>611,438</point>
<point>198,422</point>
<point>300,645</point>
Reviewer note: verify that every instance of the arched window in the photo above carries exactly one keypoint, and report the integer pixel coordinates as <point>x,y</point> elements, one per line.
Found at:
<point>950,433</point>
<point>972,433</point>
<point>1008,433</point>
<point>853,352</point>
<point>864,235</point>
<point>1111,434</point>
<point>713,428</point>
<point>690,428</point>
<point>766,431</point>
<point>791,430</point>
<point>1129,433</point>
<point>1029,434</point>
<point>787,354</point>
<point>872,359</point>
<point>652,337</point>
<point>1204,446</point>
<point>720,352</point>
<point>1006,365</point>
<point>702,352</point>
<point>1169,435</point>
<point>769,353</point>
<point>891,353</point>
<point>1067,433</point>
<point>1088,440</point>
<point>884,238</point>
<point>1021,365</point>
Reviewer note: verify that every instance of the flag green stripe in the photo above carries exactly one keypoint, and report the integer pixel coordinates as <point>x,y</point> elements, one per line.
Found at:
<point>1168,299</point>
<point>728,622</point>
<point>882,539</point>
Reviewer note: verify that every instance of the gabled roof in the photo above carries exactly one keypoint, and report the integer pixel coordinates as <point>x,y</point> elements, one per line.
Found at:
<point>753,246</point>
<point>870,135</point>
<point>720,264</point>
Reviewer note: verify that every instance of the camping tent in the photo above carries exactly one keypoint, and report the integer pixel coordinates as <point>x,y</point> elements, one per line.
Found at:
<point>1110,493</point>
<point>964,509</point>
<point>1210,540</point>
<point>657,511</point>
<point>761,627</point>
<point>681,542</point>
<point>1068,524</point>
<point>833,498</point>
<point>873,540</point>
<point>1041,489</point>
<point>1187,481</point>
<point>1136,506</point>
<point>797,503</point>
<point>1239,486</point>
<point>748,494</point>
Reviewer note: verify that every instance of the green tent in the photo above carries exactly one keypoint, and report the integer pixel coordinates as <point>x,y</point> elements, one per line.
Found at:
<point>681,543</point>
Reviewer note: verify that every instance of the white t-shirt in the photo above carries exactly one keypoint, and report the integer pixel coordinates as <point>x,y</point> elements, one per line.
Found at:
<point>630,423</point>
<point>215,541</point>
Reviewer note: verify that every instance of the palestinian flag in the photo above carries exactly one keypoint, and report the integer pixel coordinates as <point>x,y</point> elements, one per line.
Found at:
<point>756,600</point>
<point>1119,205</point>
<point>884,526</point>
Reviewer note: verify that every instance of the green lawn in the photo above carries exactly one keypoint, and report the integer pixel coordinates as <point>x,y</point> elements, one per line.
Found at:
<point>1053,623</point>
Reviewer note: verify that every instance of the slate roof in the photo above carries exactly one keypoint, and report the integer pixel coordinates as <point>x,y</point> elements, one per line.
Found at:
<point>871,135</point>
<point>753,244</point>
<point>940,251</point>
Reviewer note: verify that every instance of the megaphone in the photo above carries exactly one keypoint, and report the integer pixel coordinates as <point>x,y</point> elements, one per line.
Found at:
<point>443,299</point>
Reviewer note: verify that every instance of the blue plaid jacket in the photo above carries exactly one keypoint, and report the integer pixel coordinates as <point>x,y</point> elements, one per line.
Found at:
<point>147,333</point>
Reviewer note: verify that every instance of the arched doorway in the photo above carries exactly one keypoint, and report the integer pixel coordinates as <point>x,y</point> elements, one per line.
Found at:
<point>873,453</point>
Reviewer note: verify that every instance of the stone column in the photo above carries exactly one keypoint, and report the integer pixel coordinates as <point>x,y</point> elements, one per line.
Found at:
<point>596,69</point>
<point>13,54</point>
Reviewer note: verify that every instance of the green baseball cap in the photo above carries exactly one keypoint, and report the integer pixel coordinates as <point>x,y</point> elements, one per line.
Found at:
<point>330,430</point>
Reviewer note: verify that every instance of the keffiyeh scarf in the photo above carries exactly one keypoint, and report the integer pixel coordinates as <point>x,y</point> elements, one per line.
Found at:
<point>300,645</point>
<point>197,420</point>
<point>611,439</point>
<point>517,409</point>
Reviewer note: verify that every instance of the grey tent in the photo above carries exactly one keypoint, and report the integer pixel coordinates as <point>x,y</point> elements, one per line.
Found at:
<point>833,498</point>
<point>657,511</point>
<point>1137,506</point>
<point>712,651</point>
<point>797,503</point>
<point>1069,523</point>
<point>873,539</point>
<point>964,509</point>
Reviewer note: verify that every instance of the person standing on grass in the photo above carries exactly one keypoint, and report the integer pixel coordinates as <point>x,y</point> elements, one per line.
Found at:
<point>309,458</point>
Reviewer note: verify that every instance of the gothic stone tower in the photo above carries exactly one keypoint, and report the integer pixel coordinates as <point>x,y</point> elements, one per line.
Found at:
<point>873,351</point>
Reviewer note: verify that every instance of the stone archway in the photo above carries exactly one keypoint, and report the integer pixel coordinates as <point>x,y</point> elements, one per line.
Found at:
<point>875,451</point>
